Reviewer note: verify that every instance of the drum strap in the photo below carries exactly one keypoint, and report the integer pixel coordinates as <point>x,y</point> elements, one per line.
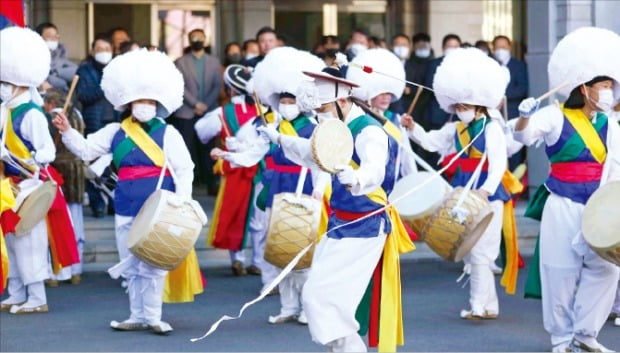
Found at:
<point>136,136</point>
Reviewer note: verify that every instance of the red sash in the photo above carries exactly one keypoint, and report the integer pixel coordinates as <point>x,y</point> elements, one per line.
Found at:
<point>577,172</point>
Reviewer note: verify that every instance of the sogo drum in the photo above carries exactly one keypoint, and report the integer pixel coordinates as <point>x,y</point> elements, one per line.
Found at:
<point>600,222</point>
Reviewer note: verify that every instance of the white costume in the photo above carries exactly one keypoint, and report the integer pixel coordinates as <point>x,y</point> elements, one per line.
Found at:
<point>27,65</point>
<point>130,77</point>
<point>578,287</point>
<point>469,77</point>
<point>373,84</point>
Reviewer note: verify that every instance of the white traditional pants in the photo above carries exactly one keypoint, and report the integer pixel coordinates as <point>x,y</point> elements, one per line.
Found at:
<point>482,291</point>
<point>28,266</point>
<point>616,307</point>
<point>291,288</point>
<point>578,287</point>
<point>340,273</point>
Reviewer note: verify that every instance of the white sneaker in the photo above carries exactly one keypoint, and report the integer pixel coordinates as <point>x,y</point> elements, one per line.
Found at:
<point>302,319</point>
<point>561,348</point>
<point>161,327</point>
<point>617,321</point>
<point>496,269</point>
<point>592,346</point>
<point>281,319</point>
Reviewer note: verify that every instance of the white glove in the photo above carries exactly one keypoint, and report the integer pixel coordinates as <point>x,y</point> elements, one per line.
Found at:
<point>232,144</point>
<point>528,107</point>
<point>346,175</point>
<point>269,132</point>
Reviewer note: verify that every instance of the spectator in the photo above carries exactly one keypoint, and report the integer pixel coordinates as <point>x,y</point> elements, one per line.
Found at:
<point>518,86</point>
<point>128,46</point>
<point>250,49</point>
<point>358,42</point>
<point>484,46</point>
<point>232,54</point>
<point>61,69</point>
<point>203,82</point>
<point>281,39</point>
<point>415,71</point>
<point>267,39</point>
<point>118,35</point>
<point>401,46</point>
<point>331,46</point>
<point>96,110</point>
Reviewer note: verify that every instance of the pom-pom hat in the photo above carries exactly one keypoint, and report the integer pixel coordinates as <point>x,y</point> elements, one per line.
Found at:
<point>143,74</point>
<point>468,76</point>
<point>373,84</point>
<point>24,57</point>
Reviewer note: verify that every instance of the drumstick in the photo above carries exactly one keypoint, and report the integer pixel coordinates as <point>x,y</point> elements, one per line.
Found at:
<point>505,108</point>
<point>552,91</point>
<point>70,94</point>
<point>415,100</point>
<point>224,126</point>
<point>260,109</point>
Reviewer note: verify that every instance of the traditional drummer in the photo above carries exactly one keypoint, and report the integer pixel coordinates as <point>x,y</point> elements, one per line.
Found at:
<point>578,286</point>
<point>347,257</point>
<point>24,65</point>
<point>471,85</point>
<point>147,88</point>
<point>281,174</point>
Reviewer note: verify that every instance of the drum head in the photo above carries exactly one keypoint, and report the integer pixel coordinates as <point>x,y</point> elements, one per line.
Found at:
<point>600,221</point>
<point>332,145</point>
<point>35,206</point>
<point>423,201</point>
<point>145,217</point>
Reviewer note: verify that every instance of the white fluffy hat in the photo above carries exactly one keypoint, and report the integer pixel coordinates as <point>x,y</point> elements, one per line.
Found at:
<point>282,71</point>
<point>584,54</point>
<point>24,57</point>
<point>469,76</point>
<point>143,74</point>
<point>372,84</point>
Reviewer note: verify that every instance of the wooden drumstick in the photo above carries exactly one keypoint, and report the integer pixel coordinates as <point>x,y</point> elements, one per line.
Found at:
<point>224,125</point>
<point>552,91</point>
<point>505,108</point>
<point>260,109</point>
<point>415,100</point>
<point>70,94</point>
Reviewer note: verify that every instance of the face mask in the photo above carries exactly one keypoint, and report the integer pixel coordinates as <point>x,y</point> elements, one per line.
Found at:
<point>502,55</point>
<point>143,112</point>
<point>466,116</point>
<point>103,57</point>
<point>423,53</point>
<point>250,56</point>
<point>289,111</point>
<point>6,91</point>
<point>447,51</point>
<point>197,45</point>
<point>52,44</point>
<point>234,58</point>
<point>605,99</point>
<point>358,48</point>
<point>324,116</point>
<point>401,51</point>
<point>331,52</point>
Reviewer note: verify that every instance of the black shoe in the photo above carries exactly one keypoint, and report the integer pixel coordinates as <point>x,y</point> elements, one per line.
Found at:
<point>238,269</point>
<point>253,270</point>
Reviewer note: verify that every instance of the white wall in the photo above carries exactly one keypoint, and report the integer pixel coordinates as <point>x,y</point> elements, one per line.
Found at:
<point>70,18</point>
<point>461,17</point>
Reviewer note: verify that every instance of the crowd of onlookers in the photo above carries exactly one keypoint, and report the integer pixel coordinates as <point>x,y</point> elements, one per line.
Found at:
<point>204,90</point>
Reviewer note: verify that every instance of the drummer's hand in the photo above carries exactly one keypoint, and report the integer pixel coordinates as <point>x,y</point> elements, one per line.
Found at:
<point>483,193</point>
<point>346,175</point>
<point>216,153</point>
<point>407,121</point>
<point>317,195</point>
<point>528,106</point>
<point>232,144</point>
<point>61,122</point>
<point>270,133</point>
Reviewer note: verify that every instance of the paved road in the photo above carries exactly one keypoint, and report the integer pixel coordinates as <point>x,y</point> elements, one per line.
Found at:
<point>79,317</point>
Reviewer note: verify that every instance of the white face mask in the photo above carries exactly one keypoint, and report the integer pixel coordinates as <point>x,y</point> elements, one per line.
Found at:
<point>324,116</point>
<point>143,112</point>
<point>358,48</point>
<point>466,116</point>
<point>605,100</point>
<point>447,51</point>
<point>423,53</point>
<point>52,44</point>
<point>401,51</point>
<point>103,57</point>
<point>250,56</point>
<point>6,91</point>
<point>502,55</point>
<point>289,111</point>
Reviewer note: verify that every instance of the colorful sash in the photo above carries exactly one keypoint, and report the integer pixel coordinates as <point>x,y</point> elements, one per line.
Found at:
<point>587,132</point>
<point>136,136</point>
<point>7,201</point>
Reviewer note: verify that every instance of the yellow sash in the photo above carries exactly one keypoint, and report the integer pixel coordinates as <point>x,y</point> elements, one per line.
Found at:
<point>137,134</point>
<point>587,132</point>
<point>465,139</point>
<point>15,145</point>
<point>7,201</point>
<point>390,310</point>
<point>392,130</point>
<point>184,282</point>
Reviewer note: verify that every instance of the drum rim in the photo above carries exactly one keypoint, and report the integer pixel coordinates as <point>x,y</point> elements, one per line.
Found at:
<point>431,209</point>
<point>314,143</point>
<point>591,227</point>
<point>26,224</point>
